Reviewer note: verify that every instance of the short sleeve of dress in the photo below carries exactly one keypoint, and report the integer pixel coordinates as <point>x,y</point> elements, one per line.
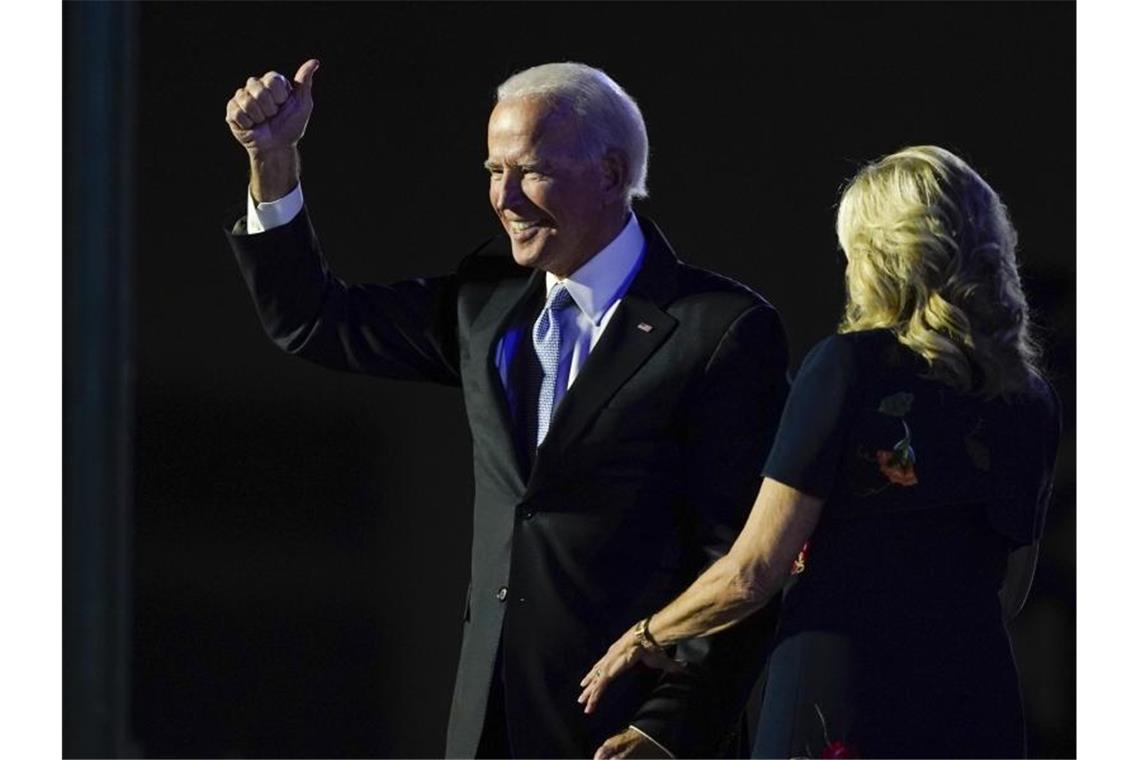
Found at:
<point>809,442</point>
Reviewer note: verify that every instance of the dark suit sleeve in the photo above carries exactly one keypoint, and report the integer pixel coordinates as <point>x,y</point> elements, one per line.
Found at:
<point>733,423</point>
<point>405,331</point>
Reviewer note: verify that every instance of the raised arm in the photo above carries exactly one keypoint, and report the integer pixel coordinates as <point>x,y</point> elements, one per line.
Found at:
<point>405,330</point>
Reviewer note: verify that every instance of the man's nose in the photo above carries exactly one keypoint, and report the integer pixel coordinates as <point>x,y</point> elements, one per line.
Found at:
<point>510,195</point>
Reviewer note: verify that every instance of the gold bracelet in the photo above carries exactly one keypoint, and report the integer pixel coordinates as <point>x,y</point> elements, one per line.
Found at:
<point>645,639</point>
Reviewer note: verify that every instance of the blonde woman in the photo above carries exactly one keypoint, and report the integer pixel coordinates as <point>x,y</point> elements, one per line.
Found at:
<point>904,496</point>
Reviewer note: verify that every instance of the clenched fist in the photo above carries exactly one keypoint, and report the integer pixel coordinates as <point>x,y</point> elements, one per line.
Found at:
<point>271,113</point>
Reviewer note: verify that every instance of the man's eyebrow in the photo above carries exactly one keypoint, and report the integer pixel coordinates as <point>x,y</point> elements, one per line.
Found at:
<point>543,166</point>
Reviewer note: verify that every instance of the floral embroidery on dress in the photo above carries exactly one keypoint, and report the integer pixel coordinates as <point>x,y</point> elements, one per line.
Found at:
<point>800,563</point>
<point>835,748</point>
<point>896,464</point>
<point>897,404</point>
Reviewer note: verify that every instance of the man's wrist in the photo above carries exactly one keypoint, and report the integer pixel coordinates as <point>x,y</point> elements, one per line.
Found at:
<point>273,173</point>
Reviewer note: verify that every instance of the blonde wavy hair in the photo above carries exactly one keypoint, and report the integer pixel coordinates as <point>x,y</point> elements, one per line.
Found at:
<point>930,251</point>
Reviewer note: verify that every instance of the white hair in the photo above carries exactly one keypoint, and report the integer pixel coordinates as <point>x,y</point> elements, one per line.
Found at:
<point>609,117</point>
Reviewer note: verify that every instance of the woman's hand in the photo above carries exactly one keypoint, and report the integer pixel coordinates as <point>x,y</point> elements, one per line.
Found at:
<point>622,655</point>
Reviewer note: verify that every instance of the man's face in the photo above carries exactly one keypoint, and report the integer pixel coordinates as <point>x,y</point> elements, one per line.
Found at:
<point>553,201</point>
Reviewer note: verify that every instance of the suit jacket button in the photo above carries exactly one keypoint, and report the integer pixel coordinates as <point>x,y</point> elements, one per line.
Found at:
<point>502,595</point>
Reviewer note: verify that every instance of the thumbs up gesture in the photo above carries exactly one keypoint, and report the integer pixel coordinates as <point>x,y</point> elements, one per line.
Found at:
<point>269,114</point>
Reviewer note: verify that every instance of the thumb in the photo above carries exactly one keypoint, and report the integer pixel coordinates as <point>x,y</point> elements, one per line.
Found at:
<point>304,75</point>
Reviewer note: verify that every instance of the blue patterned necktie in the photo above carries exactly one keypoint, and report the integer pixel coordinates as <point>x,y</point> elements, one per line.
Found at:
<point>547,336</point>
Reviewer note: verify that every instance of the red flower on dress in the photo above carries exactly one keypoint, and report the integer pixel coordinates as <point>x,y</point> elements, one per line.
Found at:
<point>838,749</point>
<point>898,470</point>
<point>898,463</point>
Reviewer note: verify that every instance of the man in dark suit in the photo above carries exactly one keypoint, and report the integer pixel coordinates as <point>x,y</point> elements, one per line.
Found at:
<point>621,405</point>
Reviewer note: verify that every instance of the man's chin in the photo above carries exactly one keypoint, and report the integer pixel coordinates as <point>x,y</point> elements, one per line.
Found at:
<point>526,255</point>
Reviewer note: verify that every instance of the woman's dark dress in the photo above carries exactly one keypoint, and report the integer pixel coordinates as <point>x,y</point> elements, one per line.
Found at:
<point>892,635</point>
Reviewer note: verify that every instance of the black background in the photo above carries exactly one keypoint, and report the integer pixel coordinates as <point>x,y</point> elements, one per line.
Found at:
<point>301,536</point>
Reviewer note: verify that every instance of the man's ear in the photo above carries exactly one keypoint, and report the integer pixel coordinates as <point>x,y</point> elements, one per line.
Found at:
<point>615,174</point>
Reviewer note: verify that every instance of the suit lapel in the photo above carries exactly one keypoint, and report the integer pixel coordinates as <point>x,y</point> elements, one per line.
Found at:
<point>494,319</point>
<point>637,329</point>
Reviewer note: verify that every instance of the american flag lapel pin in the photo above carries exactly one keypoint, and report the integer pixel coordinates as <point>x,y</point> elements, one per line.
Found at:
<point>645,327</point>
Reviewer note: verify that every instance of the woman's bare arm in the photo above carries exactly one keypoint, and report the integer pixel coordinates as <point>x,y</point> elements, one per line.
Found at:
<point>732,588</point>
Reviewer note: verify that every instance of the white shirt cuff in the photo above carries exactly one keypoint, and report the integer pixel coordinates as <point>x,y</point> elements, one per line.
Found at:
<point>260,217</point>
<point>660,746</point>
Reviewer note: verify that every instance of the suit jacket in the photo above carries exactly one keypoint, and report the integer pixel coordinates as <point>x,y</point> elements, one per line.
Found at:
<point>650,465</point>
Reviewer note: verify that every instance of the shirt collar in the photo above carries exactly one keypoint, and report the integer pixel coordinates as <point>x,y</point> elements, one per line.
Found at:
<point>603,279</point>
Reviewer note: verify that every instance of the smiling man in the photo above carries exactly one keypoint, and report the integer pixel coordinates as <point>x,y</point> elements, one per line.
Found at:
<point>559,204</point>
<point>621,405</point>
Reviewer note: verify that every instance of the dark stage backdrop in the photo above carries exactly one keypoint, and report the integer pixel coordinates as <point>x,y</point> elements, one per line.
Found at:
<point>301,536</point>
